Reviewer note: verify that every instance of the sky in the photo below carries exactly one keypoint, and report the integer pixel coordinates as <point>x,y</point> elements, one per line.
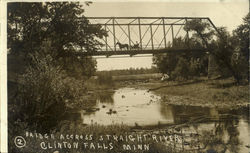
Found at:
<point>227,13</point>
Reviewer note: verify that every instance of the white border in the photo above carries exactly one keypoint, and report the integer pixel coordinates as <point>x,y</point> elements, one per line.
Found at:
<point>3,77</point>
<point>3,54</point>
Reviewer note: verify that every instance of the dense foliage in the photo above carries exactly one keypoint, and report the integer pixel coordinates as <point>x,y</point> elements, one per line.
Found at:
<point>62,25</point>
<point>48,76</point>
<point>185,65</point>
<point>230,52</point>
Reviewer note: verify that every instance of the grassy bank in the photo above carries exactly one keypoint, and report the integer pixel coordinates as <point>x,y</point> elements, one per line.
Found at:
<point>201,92</point>
<point>107,81</point>
<point>196,92</point>
<point>137,77</point>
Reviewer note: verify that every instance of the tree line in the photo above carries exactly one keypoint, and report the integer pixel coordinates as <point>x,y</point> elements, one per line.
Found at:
<point>130,71</point>
<point>230,52</point>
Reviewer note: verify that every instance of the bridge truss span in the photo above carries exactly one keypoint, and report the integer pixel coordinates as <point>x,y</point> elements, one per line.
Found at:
<point>142,35</point>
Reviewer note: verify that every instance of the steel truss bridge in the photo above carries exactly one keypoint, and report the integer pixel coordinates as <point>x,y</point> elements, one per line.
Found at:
<point>143,35</point>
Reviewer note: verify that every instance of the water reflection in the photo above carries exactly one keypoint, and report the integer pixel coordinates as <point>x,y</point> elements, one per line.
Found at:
<point>223,136</point>
<point>217,130</point>
<point>182,114</point>
<point>230,133</point>
<point>129,106</point>
<point>105,97</point>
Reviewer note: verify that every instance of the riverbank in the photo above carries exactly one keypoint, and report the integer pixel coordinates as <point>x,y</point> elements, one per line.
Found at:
<point>129,100</point>
<point>218,93</point>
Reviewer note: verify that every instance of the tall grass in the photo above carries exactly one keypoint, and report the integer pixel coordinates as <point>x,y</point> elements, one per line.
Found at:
<point>105,78</point>
<point>130,71</point>
<point>138,77</point>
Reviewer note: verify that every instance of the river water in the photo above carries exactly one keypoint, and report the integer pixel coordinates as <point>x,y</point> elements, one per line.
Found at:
<point>140,108</point>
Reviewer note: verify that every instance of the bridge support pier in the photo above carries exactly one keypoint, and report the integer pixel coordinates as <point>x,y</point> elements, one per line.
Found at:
<point>213,67</point>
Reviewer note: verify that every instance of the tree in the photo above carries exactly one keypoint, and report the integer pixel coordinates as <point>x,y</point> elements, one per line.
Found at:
<point>166,62</point>
<point>203,31</point>
<point>62,25</point>
<point>47,36</point>
<point>241,37</point>
<point>182,65</point>
<point>240,40</point>
<point>220,45</point>
<point>182,69</point>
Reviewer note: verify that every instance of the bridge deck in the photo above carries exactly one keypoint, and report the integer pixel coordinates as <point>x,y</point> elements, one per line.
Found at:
<point>135,52</point>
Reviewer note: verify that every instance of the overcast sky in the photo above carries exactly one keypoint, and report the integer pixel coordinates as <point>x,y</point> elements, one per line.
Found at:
<point>228,13</point>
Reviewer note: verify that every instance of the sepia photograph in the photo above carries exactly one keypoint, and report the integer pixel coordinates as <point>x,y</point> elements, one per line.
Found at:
<point>127,76</point>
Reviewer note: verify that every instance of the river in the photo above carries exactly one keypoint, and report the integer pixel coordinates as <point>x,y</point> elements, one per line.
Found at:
<point>141,108</point>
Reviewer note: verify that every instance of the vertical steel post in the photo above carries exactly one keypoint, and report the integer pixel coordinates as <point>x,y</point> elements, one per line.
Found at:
<point>182,140</point>
<point>187,35</point>
<point>106,41</point>
<point>172,28</point>
<point>129,38</point>
<point>164,32</point>
<point>139,22</point>
<point>114,33</point>
<point>151,32</point>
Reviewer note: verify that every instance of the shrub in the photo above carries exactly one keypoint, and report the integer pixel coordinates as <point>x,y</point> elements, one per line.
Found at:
<point>105,78</point>
<point>43,92</point>
<point>181,69</point>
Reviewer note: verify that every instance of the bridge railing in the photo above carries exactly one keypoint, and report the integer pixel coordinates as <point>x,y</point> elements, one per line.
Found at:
<point>143,33</point>
<point>144,47</point>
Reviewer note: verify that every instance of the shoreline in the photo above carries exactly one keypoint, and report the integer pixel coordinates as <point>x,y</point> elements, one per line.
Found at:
<point>200,92</point>
<point>222,93</point>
